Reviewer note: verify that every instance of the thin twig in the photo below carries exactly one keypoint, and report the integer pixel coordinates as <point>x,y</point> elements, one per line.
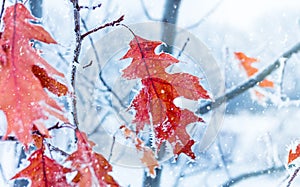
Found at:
<point>293,177</point>
<point>248,84</point>
<point>222,157</point>
<point>2,10</point>
<point>282,95</point>
<point>61,125</point>
<point>56,149</point>
<point>242,177</point>
<point>90,7</point>
<point>88,65</point>
<point>183,47</point>
<point>112,147</point>
<point>9,138</point>
<point>111,24</point>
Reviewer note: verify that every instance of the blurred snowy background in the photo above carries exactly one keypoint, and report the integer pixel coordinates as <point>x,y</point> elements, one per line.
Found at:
<point>252,146</point>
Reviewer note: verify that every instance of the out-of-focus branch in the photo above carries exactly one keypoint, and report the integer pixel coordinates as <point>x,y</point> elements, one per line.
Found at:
<point>245,176</point>
<point>170,16</point>
<point>147,12</point>
<point>210,12</point>
<point>108,88</point>
<point>36,8</point>
<point>293,176</point>
<point>250,83</point>
<point>2,10</point>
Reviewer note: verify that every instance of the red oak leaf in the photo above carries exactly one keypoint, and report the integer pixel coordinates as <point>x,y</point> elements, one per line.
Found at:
<point>24,101</point>
<point>154,105</point>
<point>293,155</point>
<point>92,168</point>
<point>44,171</point>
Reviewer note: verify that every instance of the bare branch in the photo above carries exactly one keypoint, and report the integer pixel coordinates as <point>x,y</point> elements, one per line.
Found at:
<point>112,147</point>
<point>2,10</point>
<point>248,84</point>
<point>75,59</point>
<point>88,65</point>
<point>56,149</point>
<point>183,47</point>
<point>245,176</point>
<point>111,24</point>
<point>293,177</point>
<point>9,138</point>
<point>90,7</point>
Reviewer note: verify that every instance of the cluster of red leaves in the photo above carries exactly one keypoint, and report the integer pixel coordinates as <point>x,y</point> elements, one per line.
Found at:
<point>91,168</point>
<point>44,171</point>
<point>246,63</point>
<point>154,104</point>
<point>24,75</point>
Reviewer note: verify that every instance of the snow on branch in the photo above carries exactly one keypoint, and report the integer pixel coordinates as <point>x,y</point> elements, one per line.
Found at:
<point>248,84</point>
<point>242,177</point>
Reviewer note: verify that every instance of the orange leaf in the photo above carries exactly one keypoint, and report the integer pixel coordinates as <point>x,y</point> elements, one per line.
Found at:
<point>24,101</point>
<point>266,83</point>
<point>148,157</point>
<point>247,63</point>
<point>44,171</point>
<point>92,168</point>
<point>294,155</point>
<point>155,100</point>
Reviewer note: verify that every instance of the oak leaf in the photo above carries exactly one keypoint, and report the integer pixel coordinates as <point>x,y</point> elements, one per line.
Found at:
<point>44,171</point>
<point>92,168</point>
<point>154,104</point>
<point>24,101</point>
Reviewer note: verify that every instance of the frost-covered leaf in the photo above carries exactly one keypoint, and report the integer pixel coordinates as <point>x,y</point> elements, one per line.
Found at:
<point>24,101</point>
<point>154,104</point>
<point>44,171</point>
<point>92,168</point>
